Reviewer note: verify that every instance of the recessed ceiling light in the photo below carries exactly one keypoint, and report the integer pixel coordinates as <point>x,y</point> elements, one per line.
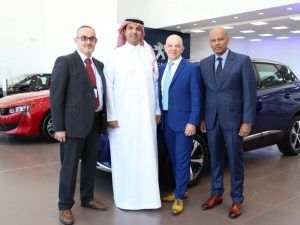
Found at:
<point>295,18</point>
<point>255,40</point>
<point>260,13</point>
<point>238,37</point>
<point>178,27</point>
<point>195,24</point>
<point>280,28</point>
<point>290,8</point>
<point>213,21</point>
<point>284,37</point>
<point>197,31</point>
<point>236,17</point>
<point>227,27</point>
<point>295,31</point>
<point>247,31</point>
<point>259,23</point>
<point>266,35</point>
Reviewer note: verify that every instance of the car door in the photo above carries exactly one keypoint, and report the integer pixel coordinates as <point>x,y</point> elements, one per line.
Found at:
<point>277,97</point>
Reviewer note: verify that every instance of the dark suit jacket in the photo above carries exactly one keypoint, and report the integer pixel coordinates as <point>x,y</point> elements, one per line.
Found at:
<point>184,95</point>
<point>234,98</point>
<point>72,96</point>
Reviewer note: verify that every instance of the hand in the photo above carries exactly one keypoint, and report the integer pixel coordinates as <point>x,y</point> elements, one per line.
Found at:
<point>202,127</point>
<point>113,124</point>
<point>158,119</point>
<point>190,129</point>
<point>245,129</point>
<point>60,136</point>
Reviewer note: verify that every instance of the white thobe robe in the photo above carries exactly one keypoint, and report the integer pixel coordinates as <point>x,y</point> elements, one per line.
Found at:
<point>132,101</point>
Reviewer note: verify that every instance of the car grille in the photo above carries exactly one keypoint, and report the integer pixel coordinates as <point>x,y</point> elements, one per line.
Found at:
<point>3,111</point>
<point>6,127</point>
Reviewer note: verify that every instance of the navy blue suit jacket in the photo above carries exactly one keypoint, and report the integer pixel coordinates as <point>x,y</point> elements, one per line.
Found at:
<point>184,95</point>
<point>233,97</point>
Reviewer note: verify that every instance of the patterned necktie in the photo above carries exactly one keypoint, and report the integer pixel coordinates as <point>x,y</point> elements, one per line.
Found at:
<point>219,67</point>
<point>92,77</point>
<point>167,82</point>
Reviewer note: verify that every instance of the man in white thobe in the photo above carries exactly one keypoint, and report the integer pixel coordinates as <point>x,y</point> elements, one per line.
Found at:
<point>133,112</point>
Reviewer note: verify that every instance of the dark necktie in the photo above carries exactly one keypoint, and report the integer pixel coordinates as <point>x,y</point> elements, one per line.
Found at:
<point>92,77</point>
<point>219,67</point>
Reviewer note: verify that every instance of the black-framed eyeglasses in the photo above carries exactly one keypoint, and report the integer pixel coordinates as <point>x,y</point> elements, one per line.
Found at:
<point>85,38</point>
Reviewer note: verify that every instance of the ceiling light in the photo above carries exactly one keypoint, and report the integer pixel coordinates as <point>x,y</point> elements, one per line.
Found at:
<point>236,17</point>
<point>238,37</point>
<point>295,31</point>
<point>260,13</point>
<point>255,40</point>
<point>247,31</point>
<point>259,23</point>
<point>213,21</point>
<point>280,28</point>
<point>197,31</point>
<point>266,35</point>
<point>284,37</point>
<point>178,27</point>
<point>290,8</point>
<point>195,24</point>
<point>227,27</point>
<point>295,18</point>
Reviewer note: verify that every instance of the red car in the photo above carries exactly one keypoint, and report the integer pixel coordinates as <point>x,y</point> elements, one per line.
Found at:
<point>26,114</point>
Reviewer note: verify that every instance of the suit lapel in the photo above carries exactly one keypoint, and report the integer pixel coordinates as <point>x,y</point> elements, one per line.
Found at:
<point>227,67</point>
<point>211,71</point>
<point>178,70</point>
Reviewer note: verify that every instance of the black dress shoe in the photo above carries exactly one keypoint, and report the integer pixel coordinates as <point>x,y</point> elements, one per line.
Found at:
<point>94,204</point>
<point>235,210</point>
<point>212,202</point>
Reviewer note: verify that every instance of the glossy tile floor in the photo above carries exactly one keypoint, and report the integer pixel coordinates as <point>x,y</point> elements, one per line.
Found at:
<point>29,171</point>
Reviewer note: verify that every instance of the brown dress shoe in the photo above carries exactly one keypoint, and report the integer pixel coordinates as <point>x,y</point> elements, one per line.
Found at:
<point>66,217</point>
<point>94,204</point>
<point>235,210</point>
<point>212,202</point>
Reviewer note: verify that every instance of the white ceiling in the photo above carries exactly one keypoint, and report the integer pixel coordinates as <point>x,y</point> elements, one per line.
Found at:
<point>274,17</point>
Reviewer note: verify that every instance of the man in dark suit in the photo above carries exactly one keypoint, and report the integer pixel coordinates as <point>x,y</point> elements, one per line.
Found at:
<point>179,98</point>
<point>77,102</point>
<point>230,104</point>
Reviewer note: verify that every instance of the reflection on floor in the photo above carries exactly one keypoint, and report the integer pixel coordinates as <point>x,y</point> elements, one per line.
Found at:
<point>29,170</point>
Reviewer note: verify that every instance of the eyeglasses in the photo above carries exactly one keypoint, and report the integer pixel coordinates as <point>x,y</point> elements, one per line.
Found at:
<point>85,38</point>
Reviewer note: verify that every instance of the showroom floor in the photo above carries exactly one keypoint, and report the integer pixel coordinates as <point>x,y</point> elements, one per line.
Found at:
<point>29,171</point>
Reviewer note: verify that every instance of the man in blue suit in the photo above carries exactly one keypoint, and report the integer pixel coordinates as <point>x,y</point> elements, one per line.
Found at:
<point>230,104</point>
<point>179,98</point>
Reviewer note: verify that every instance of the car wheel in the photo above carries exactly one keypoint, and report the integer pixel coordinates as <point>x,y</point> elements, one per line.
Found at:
<point>199,159</point>
<point>291,142</point>
<point>47,129</point>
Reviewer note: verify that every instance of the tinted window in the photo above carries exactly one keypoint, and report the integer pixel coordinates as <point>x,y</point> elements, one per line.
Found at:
<point>287,74</point>
<point>269,75</point>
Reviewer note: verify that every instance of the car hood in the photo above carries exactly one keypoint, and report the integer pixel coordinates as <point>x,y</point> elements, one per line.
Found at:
<point>18,99</point>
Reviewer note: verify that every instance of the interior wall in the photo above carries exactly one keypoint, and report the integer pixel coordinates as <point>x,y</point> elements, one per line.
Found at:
<point>23,37</point>
<point>36,32</point>
<point>285,51</point>
<point>158,14</point>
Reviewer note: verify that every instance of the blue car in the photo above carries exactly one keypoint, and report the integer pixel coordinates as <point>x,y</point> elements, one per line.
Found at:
<point>277,121</point>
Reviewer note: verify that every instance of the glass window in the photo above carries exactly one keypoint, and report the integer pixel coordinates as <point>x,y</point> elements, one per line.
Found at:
<point>269,75</point>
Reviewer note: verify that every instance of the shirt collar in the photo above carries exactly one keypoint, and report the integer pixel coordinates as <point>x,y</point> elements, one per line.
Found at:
<point>83,57</point>
<point>223,56</point>
<point>177,61</point>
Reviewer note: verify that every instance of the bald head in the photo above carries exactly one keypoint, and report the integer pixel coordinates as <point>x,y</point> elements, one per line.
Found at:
<point>174,47</point>
<point>218,40</point>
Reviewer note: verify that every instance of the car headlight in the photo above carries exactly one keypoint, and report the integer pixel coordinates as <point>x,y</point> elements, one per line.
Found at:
<point>17,109</point>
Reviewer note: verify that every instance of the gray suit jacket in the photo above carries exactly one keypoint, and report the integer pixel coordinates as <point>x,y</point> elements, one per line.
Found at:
<point>72,96</point>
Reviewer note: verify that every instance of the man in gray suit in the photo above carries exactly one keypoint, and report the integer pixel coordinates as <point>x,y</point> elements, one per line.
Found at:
<point>77,103</point>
